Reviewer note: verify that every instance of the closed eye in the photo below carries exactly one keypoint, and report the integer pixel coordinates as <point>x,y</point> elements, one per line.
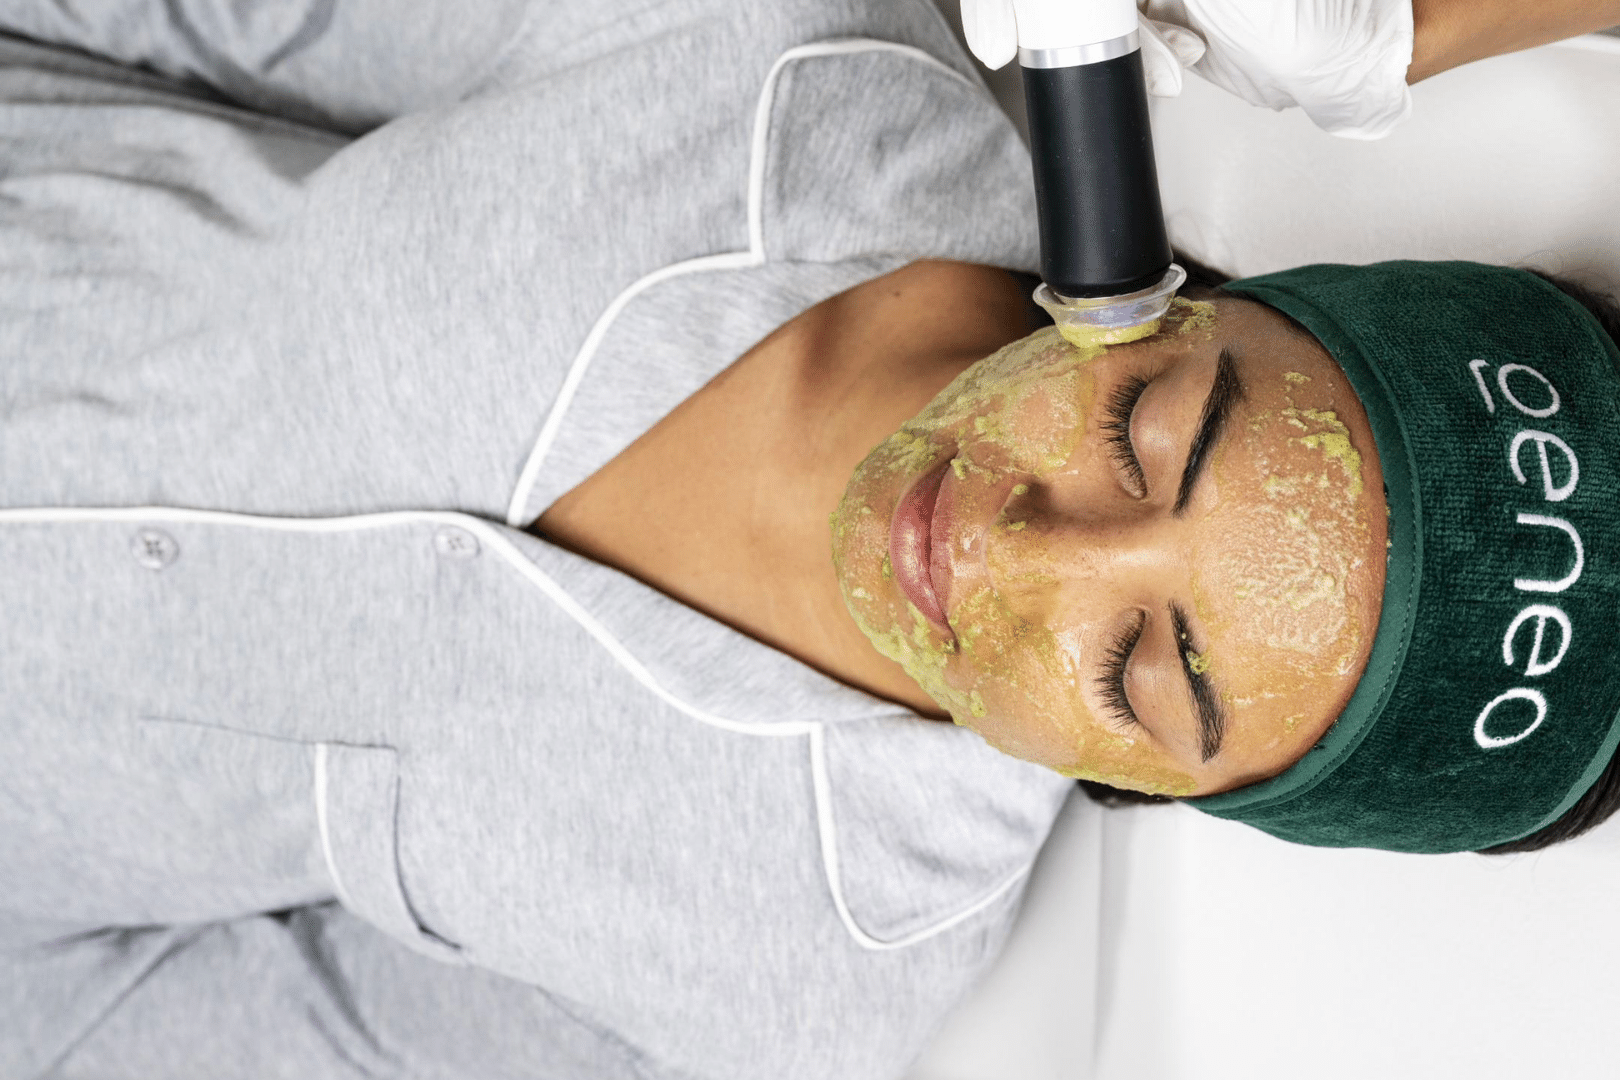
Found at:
<point>1111,682</point>
<point>1117,431</point>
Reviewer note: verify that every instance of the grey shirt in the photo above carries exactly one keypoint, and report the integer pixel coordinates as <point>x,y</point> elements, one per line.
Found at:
<point>317,763</point>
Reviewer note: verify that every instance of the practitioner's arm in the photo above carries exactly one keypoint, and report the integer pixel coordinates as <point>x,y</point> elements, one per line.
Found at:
<point>1450,33</point>
<point>347,65</point>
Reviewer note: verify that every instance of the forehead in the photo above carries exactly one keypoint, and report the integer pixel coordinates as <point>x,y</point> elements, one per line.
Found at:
<point>1287,568</point>
<point>1270,337</point>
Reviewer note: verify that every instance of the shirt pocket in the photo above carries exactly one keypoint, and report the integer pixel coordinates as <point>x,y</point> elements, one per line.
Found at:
<point>356,803</point>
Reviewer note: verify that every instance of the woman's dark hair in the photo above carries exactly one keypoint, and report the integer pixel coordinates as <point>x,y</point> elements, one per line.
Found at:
<point>1603,798</point>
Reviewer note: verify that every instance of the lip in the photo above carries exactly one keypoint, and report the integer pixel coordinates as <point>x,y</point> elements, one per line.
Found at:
<point>918,551</point>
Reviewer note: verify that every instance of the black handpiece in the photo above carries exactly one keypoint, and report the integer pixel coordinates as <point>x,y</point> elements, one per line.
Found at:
<point>1096,188</point>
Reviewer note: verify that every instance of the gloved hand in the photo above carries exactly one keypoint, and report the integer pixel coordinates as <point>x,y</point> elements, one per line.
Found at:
<point>1343,61</point>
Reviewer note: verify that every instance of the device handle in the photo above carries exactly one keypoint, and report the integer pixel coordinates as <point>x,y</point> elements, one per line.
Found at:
<point>1096,186</point>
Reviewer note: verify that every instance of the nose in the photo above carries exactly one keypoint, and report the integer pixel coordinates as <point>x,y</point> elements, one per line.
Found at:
<point>1047,561</point>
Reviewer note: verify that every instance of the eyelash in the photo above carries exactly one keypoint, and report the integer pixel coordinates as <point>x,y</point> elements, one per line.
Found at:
<point>1111,683</point>
<point>1117,428</point>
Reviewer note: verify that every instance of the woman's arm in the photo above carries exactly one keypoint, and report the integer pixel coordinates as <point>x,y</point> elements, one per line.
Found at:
<point>1450,33</point>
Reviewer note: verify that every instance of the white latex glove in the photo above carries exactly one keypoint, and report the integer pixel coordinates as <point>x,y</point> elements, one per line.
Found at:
<point>1343,61</point>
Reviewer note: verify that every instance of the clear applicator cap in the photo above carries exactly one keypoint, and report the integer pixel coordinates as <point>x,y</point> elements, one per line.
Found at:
<point>1111,320</point>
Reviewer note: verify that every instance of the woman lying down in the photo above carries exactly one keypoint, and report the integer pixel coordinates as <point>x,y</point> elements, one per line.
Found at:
<point>1324,555</point>
<point>421,655</point>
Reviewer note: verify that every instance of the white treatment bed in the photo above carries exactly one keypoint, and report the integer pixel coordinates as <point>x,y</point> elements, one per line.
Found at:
<point>1159,944</point>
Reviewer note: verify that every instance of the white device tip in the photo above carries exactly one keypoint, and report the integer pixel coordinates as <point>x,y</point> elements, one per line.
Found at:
<point>1110,320</point>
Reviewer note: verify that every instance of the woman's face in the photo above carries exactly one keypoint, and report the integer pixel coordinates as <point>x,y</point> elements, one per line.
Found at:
<point>1158,565</point>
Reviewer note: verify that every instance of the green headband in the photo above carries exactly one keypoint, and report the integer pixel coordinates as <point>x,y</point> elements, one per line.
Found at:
<point>1491,701</point>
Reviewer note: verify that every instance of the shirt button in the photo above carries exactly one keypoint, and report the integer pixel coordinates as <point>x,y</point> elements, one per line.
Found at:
<point>455,543</point>
<point>154,548</point>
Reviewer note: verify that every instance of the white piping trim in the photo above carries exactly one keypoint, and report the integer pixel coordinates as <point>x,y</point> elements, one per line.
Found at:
<point>493,539</point>
<point>825,825</point>
<point>735,260</point>
<point>322,818</point>
<point>767,99</point>
<point>829,862</point>
<point>587,353</point>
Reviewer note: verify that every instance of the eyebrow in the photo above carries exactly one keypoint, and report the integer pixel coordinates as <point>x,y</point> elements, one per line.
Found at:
<point>1207,702</point>
<point>1224,394</point>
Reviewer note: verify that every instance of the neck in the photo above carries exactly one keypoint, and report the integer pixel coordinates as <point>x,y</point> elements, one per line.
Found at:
<point>724,503</point>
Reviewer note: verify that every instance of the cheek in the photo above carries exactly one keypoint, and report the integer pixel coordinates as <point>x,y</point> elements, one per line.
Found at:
<point>1009,667</point>
<point>1024,684</point>
<point>1019,681</point>
<point>1022,409</point>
